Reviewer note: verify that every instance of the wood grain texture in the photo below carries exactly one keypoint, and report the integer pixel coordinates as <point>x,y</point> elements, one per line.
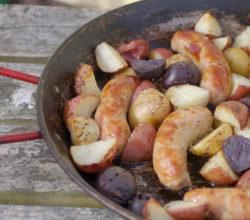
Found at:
<point>38,30</point>
<point>55,213</point>
<point>28,172</point>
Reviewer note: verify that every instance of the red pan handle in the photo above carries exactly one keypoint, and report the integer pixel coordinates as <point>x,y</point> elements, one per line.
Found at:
<point>27,136</point>
<point>19,75</point>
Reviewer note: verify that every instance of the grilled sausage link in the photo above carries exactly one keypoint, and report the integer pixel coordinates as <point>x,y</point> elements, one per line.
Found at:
<point>223,203</point>
<point>216,76</point>
<point>174,136</point>
<point>111,114</point>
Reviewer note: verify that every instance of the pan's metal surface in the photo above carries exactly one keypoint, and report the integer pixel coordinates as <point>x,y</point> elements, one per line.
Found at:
<point>153,20</point>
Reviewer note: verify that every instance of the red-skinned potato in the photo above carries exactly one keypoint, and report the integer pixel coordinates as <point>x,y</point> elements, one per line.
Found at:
<point>154,211</point>
<point>108,59</point>
<point>244,132</point>
<point>145,84</point>
<point>244,181</point>
<point>160,53</point>
<point>240,86</point>
<point>139,147</point>
<point>136,49</point>
<point>80,106</point>
<point>85,82</point>
<point>186,210</point>
<point>94,157</point>
<point>216,170</point>
<point>233,113</point>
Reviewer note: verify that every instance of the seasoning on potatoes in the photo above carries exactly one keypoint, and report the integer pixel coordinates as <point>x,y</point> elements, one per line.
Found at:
<point>136,49</point>
<point>139,147</point>
<point>117,184</point>
<point>216,170</point>
<point>181,73</point>
<point>236,150</point>
<point>150,106</point>
<point>238,60</point>
<point>145,84</point>
<point>85,82</point>
<point>83,130</point>
<point>184,96</point>
<point>149,69</point>
<point>213,142</point>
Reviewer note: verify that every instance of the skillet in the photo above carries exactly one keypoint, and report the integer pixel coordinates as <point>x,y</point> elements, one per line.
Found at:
<point>153,20</point>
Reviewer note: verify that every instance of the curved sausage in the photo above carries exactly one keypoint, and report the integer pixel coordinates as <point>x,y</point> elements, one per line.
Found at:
<point>216,76</point>
<point>223,203</point>
<point>111,114</point>
<point>174,136</point>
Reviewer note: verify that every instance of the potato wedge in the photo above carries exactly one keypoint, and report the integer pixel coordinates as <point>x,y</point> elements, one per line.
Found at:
<point>213,142</point>
<point>80,106</point>
<point>175,59</point>
<point>93,157</point>
<point>109,60</point>
<point>186,210</point>
<point>244,181</point>
<point>127,72</point>
<point>222,43</point>
<point>140,144</point>
<point>240,86</point>
<point>83,130</point>
<point>243,40</point>
<point>150,106</point>
<point>233,113</point>
<point>244,132</point>
<point>154,211</point>
<point>160,53</point>
<point>85,82</point>
<point>145,84</point>
<point>217,171</point>
<point>238,60</point>
<point>184,96</point>
<point>208,25</point>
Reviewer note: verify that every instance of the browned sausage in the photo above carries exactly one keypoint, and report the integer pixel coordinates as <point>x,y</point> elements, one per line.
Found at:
<point>174,136</point>
<point>223,203</point>
<point>111,114</point>
<point>216,76</point>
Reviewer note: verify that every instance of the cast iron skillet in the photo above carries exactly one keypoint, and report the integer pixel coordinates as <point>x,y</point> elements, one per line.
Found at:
<point>136,20</point>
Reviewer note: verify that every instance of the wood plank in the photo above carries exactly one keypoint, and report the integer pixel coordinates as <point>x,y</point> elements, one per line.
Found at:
<point>29,167</point>
<point>38,30</point>
<point>17,103</point>
<point>55,199</point>
<point>56,213</point>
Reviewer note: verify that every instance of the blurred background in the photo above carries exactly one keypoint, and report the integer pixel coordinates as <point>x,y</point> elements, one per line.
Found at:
<point>101,4</point>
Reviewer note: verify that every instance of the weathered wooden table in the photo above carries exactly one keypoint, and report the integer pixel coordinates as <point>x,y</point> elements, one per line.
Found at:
<point>32,185</point>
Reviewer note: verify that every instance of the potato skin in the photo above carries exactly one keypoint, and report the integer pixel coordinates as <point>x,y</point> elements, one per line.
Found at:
<point>145,84</point>
<point>150,106</point>
<point>244,181</point>
<point>140,144</point>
